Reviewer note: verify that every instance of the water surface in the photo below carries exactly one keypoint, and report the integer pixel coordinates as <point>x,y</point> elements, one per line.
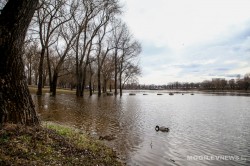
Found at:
<point>200,125</point>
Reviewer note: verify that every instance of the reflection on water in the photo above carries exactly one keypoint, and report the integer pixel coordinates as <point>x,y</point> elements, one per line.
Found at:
<point>202,124</point>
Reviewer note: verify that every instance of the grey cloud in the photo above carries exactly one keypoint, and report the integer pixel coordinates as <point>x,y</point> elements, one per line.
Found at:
<point>233,47</point>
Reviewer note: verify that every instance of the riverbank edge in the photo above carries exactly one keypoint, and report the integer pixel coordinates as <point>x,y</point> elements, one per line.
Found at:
<point>33,90</point>
<point>52,144</point>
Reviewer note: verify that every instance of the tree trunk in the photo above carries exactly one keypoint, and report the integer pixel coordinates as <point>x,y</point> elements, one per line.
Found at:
<point>79,85</point>
<point>120,75</point>
<point>54,83</point>
<point>49,70</point>
<point>16,105</point>
<point>83,80</point>
<point>78,80</point>
<point>120,80</point>
<point>84,76</point>
<point>116,73</point>
<point>99,81</point>
<point>90,80</point>
<point>40,73</point>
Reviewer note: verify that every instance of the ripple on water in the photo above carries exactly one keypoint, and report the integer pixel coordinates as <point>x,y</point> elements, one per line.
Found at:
<point>199,125</point>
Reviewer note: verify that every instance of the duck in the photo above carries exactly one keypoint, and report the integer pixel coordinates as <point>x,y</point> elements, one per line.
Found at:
<point>162,128</point>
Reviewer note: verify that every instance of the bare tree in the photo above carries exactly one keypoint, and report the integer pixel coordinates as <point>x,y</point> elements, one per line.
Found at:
<point>30,60</point>
<point>130,74</point>
<point>108,73</point>
<point>65,43</point>
<point>49,17</point>
<point>88,10</point>
<point>96,14</point>
<point>91,74</point>
<point>130,49</point>
<point>103,49</point>
<point>126,49</point>
<point>116,44</point>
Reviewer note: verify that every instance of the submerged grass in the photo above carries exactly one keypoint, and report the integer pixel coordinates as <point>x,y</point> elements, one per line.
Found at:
<point>51,144</point>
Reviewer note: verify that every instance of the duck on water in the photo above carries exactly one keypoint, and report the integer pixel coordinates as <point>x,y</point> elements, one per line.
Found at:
<point>162,128</point>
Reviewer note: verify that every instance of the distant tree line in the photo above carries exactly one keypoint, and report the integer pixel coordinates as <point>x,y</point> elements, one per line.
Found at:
<point>80,44</point>
<point>222,84</point>
<point>214,84</point>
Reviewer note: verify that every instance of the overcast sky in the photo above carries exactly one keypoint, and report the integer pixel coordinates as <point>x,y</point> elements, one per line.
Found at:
<point>190,40</point>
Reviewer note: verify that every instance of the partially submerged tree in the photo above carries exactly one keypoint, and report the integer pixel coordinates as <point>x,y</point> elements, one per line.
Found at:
<point>50,16</point>
<point>67,35</point>
<point>126,50</point>
<point>128,67</point>
<point>103,49</point>
<point>116,44</point>
<point>95,15</point>
<point>108,73</point>
<point>16,105</point>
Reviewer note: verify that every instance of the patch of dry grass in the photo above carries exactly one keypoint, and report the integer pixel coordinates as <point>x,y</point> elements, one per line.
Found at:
<point>51,144</point>
<point>33,89</point>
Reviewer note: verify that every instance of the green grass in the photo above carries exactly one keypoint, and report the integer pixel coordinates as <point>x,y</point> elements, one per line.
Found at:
<point>52,144</point>
<point>81,140</point>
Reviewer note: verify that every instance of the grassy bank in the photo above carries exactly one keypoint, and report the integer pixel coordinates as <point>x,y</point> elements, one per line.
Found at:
<point>33,89</point>
<point>51,144</point>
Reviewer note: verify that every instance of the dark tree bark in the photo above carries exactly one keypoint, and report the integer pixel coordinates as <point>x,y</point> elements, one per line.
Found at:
<point>16,105</point>
<point>120,76</point>
<point>54,83</point>
<point>49,71</point>
<point>85,69</point>
<point>84,79</point>
<point>40,73</point>
<point>90,80</point>
<point>99,81</point>
<point>116,71</point>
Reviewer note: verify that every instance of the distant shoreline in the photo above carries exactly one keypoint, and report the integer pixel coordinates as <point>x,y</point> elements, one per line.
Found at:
<point>33,90</point>
<point>178,91</point>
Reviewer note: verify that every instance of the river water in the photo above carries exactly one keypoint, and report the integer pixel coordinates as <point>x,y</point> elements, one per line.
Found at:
<point>205,128</point>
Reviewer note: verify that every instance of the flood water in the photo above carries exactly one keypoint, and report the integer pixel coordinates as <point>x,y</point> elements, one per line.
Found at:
<point>203,126</point>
